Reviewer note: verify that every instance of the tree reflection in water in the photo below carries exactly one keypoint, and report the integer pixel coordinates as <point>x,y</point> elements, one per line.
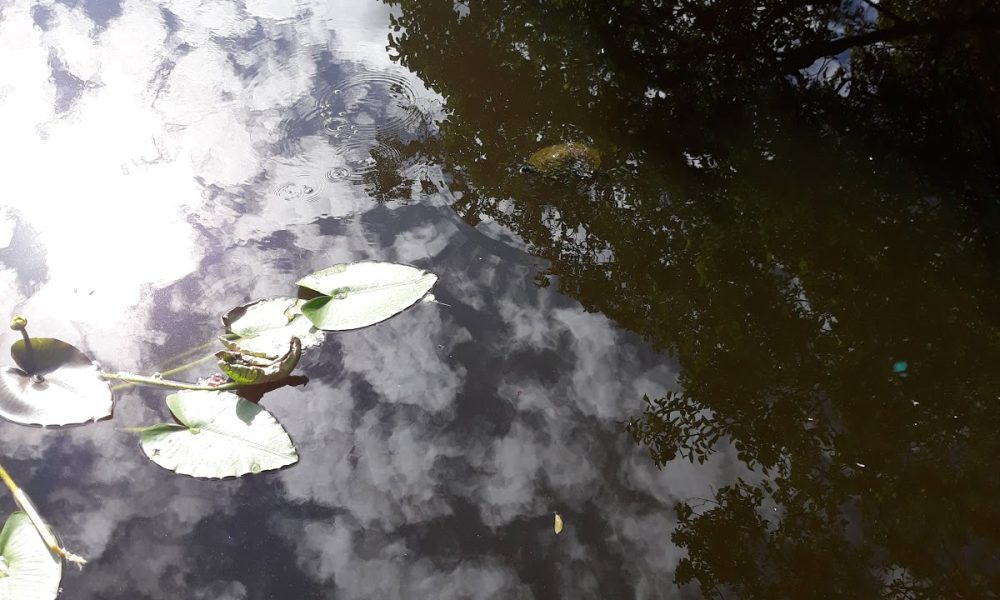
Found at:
<point>800,202</point>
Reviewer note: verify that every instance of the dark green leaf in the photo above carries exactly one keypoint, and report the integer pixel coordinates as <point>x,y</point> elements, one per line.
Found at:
<point>56,385</point>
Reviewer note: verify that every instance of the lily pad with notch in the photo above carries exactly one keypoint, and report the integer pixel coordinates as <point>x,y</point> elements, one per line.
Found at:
<point>218,435</point>
<point>364,293</point>
<point>56,385</point>
<point>266,327</point>
<point>27,568</point>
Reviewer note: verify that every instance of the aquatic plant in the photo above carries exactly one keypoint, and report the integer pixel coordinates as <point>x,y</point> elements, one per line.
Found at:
<point>217,433</point>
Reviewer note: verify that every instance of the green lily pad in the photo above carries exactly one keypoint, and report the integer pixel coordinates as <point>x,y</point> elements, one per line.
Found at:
<point>250,368</point>
<point>266,327</point>
<point>219,435</point>
<point>56,385</point>
<point>28,570</point>
<point>45,355</point>
<point>364,293</point>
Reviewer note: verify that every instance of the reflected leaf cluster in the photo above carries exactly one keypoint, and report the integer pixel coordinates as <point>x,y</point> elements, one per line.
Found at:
<point>793,199</point>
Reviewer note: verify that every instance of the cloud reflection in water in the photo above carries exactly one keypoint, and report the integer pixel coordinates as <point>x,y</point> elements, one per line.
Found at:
<point>435,446</point>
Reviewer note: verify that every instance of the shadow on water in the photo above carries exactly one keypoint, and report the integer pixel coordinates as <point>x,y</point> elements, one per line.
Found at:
<point>800,202</point>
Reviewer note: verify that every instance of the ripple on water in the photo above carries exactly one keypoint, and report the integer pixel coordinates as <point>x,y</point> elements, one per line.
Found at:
<point>339,174</point>
<point>371,104</point>
<point>358,111</point>
<point>338,127</point>
<point>365,157</point>
<point>363,117</point>
<point>301,188</point>
<point>290,131</point>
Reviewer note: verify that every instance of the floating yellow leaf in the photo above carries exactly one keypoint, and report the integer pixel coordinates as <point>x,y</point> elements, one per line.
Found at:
<point>558,524</point>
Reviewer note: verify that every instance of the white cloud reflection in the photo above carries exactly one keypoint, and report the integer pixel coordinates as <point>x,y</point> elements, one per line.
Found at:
<point>380,568</point>
<point>174,186</point>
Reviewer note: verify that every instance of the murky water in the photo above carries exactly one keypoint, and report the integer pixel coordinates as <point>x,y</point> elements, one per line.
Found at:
<point>813,313</point>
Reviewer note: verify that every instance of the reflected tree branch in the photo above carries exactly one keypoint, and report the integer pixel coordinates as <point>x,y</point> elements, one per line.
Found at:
<point>803,56</point>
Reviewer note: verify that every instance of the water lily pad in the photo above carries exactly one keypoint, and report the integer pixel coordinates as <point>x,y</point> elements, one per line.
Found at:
<point>266,327</point>
<point>45,355</point>
<point>361,294</point>
<point>56,385</point>
<point>250,368</point>
<point>28,570</point>
<point>219,435</point>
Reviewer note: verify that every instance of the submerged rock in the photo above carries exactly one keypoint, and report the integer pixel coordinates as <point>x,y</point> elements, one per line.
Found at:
<point>562,160</point>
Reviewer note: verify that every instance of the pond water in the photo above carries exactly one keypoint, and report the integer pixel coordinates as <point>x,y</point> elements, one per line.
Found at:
<point>792,259</point>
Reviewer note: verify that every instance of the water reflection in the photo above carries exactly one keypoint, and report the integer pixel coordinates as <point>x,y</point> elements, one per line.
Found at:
<point>791,220</point>
<point>166,162</point>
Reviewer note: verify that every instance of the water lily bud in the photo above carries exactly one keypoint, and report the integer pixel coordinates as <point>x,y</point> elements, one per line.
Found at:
<point>18,323</point>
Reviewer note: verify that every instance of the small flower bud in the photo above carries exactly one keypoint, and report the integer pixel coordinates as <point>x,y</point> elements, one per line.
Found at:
<point>18,323</point>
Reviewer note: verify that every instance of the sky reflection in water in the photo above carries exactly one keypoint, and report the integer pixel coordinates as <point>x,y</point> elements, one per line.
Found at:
<point>164,163</point>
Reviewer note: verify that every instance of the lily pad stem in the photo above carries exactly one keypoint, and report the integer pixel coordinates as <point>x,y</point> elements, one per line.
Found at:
<point>188,365</point>
<point>26,505</point>
<point>182,355</point>
<point>168,383</point>
<point>172,371</point>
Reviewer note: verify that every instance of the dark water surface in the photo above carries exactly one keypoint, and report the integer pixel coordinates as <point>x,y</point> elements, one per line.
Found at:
<point>790,248</point>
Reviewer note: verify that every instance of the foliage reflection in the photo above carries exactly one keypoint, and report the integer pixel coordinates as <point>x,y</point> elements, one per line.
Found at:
<point>799,201</point>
